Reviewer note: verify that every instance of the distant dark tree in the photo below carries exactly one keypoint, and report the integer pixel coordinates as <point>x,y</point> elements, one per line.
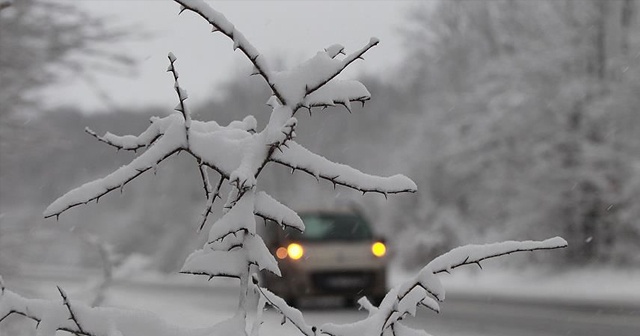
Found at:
<point>44,42</point>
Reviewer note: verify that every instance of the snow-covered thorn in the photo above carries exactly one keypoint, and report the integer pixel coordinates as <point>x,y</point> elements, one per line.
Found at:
<point>465,260</point>
<point>360,58</point>
<point>386,196</point>
<point>172,57</point>
<point>57,217</point>
<point>362,102</point>
<point>284,320</point>
<point>478,263</point>
<point>293,170</point>
<point>182,9</point>
<point>214,29</point>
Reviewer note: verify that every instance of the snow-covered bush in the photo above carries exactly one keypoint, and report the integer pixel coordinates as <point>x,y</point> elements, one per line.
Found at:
<point>236,154</point>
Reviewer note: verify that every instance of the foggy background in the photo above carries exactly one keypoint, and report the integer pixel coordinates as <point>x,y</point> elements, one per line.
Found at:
<point>517,120</point>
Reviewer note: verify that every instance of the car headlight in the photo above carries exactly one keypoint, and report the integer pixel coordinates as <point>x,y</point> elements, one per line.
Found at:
<point>295,251</point>
<point>378,249</point>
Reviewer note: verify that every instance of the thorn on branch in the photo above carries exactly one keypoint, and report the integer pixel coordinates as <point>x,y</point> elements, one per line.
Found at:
<point>478,263</point>
<point>65,301</point>
<point>182,9</point>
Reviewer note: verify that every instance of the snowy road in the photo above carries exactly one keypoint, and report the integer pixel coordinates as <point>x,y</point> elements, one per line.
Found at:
<point>461,316</point>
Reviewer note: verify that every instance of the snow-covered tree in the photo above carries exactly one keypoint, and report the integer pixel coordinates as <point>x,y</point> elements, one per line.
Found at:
<point>528,122</point>
<point>237,154</point>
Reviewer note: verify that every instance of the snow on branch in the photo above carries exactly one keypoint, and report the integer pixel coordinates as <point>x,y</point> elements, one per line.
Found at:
<point>474,254</point>
<point>338,92</point>
<point>289,313</point>
<point>130,142</point>
<point>80,319</point>
<point>270,209</point>
<point>312,87</point>
<point>221,24</point>
<point>216,263</point>
<point>295,156</point>
<point>238,153</point>
<point>306,78</point>
<point>171,142</point>
<point>403,299</point>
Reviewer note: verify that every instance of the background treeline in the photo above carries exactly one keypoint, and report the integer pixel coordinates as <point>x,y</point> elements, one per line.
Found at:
<point>517,119</point>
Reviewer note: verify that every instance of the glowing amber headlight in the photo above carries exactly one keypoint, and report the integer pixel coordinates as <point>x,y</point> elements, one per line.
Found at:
<point>378,249</point>
<point>295,251</point>
<point>281,252</point>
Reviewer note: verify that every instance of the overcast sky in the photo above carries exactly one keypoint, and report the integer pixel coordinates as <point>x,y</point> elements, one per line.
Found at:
<point>288,31</point>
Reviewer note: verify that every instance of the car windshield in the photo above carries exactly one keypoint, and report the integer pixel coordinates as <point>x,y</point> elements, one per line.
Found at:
<point>332,227</point>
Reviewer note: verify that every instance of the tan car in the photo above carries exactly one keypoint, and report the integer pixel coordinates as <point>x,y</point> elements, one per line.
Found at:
<point>337,255</point>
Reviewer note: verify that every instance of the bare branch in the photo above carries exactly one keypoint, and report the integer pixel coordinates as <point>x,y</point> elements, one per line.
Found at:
<point>72,317</point>
<point>213,194</point>
<point>182,94</point>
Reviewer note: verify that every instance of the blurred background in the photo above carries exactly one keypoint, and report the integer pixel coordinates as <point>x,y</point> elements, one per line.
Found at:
<point>517,120</point>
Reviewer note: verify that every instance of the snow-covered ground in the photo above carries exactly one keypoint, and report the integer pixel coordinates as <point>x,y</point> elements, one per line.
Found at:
<point>580,286</point>
<point>191,301</point>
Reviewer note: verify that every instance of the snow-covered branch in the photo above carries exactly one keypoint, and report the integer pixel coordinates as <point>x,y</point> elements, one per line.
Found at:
<point>170,143</point>
<point>474,254</point>
<point>270,209</point>
<point>289,313</point>
<point>238,153</point>
<point>79,319</point>
<point>296,157</point>
<point>312,87</point>
<point>342,92</point>
<point>130,142</point>
<point>426,290</point>
<point>221,24</point>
